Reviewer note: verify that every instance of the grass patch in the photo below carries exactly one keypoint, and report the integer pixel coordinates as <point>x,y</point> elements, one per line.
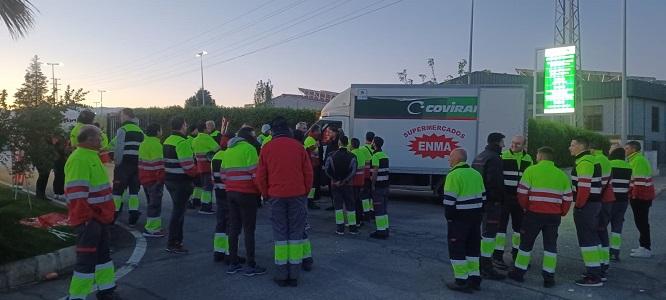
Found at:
<point>18,241</point>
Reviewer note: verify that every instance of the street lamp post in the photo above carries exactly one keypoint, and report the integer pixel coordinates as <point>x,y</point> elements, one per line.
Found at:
<point>55,86</point>
<point>625,111</point>
<point>471,35</point>
<point>101,92</point>
<point>203,97</point>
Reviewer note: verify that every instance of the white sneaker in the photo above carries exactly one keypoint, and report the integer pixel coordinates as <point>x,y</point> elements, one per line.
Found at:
<point>641,253</point>
<point>637,249</point>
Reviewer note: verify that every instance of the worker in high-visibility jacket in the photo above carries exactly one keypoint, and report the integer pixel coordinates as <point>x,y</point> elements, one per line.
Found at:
<point>125,147</point>
<point>514,162</point>
<point>204,148</point>
<point>213,132</point>
<point>311,144</point>
<point>239,166</point>
<point>380,189</point>
<point>586,184</point>
<point>641,194</point>
<point>489,164</point>
<point>607,200</point>
<point>265,134</point>
<point>366,195</point>
<point>340,167</point>
<point>86,117</point>
<point>221,237</point>
<point>464,194</point>
<point>151,176</point>
<point>195,198</point>
<point>284,176</point>
<point>544,192</point>
<point>620,179</point>
<point>362,157</point>
<point>180,171</point>
<point>104,151</point>
<point>91,210</point>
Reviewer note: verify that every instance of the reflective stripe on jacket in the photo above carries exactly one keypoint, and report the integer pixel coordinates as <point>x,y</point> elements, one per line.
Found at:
<point>607,194</point>
<point>216,169</point>
<point>361,169</point>
<point>239,166</point>
<point>545,189</point>
<point>204,147</point>
<point>151,161</point>
<point>178,158</point>
<point>586,179</point>
<point>380,164</point>
<point>463,190</point>
<point>641,186</point>
<point>620,179</point>
<point>87,188</point>
<point>513,166</point>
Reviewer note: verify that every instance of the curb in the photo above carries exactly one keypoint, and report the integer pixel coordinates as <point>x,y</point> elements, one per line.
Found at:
<point>35,269</point>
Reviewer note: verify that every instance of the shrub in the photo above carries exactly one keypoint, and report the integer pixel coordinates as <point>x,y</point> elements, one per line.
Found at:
<point>558,136</point>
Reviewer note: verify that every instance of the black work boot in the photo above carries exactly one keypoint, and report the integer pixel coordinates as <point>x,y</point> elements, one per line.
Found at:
<point>380,235</point>
<point>516,275</point>
<point>134,217</point>
<point>474,282</point>
<point>488,270</point>
<point>548,279</point>
<point>498,260</point>
<point>219,256</point>
<point>614,255</point>
<point>460,285</point>
<point>307,263</point>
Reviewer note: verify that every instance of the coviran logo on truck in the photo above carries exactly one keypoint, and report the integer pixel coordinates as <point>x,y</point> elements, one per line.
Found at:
<point>440,108</point>
<point>437,144</point>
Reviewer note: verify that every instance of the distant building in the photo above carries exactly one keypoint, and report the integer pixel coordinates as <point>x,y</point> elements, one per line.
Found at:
<point>601,94</point>
<point>311,99</point>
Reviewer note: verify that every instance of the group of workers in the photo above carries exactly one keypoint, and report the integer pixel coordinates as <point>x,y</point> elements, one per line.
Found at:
<point>240,171</point>
<point>281,167</point>
<point>480,199</point>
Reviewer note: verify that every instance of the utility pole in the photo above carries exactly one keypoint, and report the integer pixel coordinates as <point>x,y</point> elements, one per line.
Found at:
<point>101,93</point>
<point>625,110</point>
<point>203,96</point>
<point>471,39</point>
<point>53,81</point>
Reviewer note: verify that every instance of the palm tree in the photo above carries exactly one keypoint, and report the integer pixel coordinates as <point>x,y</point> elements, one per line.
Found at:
<point>18,15</point>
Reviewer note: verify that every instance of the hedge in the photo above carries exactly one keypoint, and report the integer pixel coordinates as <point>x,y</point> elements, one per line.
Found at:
<point>237,116</point>
<point>558,136</point>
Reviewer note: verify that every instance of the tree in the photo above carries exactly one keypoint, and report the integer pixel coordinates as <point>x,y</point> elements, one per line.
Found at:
<point>461,67</point>
<point>5,121</point>
<point>18,16</point>
<point>34,90</point>
<point>263,93</point>
<point>195,101</point>
<point>73,97</point>
<point>36,119</point>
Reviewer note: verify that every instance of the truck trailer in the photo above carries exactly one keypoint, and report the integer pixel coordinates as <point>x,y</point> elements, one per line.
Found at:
<point>422,124</point>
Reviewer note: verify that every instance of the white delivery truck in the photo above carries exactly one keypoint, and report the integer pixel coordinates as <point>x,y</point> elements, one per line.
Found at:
<point>422,124</point>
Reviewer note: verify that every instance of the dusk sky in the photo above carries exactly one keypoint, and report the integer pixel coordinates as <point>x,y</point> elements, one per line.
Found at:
<point>143,51</point>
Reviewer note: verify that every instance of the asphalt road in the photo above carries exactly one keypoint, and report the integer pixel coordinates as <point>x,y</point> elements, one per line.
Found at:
<point>412,264</point>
